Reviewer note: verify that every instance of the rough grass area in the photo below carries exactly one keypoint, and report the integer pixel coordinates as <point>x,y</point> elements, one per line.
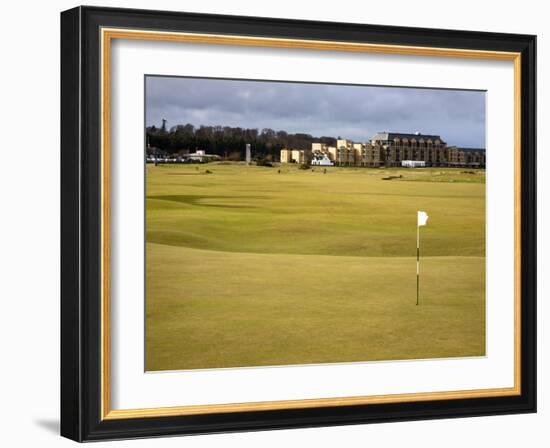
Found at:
<point>250,266</point>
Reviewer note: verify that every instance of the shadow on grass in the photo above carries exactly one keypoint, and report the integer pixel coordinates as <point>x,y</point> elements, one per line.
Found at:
<point>196,199</point>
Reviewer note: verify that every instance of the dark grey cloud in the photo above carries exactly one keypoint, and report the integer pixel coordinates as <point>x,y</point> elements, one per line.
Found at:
<point>354,112</point>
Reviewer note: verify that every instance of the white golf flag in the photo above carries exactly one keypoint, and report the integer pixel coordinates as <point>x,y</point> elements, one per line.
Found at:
<point>422,218</point>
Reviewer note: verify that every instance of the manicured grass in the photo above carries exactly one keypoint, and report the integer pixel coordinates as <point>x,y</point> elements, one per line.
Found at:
<point>248,266</point>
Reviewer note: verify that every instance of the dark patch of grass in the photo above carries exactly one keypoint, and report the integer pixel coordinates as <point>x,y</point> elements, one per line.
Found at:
<point>196,199</point>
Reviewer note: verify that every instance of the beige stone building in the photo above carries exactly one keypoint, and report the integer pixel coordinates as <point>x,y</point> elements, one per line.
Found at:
<point>286,155</point>
<point>389,149</point>
<point>302,156</point>
<point>345,153</point>
<point>320,149</point>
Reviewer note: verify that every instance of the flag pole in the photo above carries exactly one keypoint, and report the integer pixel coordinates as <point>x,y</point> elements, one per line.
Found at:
<point>417,261</point>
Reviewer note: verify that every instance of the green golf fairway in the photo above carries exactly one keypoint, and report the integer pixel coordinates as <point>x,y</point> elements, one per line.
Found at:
<point>249,266</point>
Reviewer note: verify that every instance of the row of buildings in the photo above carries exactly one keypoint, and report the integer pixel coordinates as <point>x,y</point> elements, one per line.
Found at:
<point>156,155</point>
<point>388,149</point>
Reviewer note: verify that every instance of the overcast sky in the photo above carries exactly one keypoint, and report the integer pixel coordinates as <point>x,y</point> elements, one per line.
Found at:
<point>353,112</point>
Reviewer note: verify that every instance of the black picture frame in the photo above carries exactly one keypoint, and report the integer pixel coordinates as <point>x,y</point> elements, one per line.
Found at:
<point>81,224</point>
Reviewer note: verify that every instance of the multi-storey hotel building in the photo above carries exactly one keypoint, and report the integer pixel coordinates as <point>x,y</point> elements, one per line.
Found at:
<point>391,149</point>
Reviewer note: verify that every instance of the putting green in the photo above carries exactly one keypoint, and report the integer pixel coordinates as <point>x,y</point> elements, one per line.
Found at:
<point>250,266</point>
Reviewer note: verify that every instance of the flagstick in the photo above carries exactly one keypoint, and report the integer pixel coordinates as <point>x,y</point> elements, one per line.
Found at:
<point>417,261</point>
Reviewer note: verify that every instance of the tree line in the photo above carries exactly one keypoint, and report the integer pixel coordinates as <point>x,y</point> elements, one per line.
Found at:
<point>229,142</point>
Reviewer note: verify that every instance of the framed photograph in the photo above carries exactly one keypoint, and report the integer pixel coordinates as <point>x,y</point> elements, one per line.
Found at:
<point>273,223</point>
